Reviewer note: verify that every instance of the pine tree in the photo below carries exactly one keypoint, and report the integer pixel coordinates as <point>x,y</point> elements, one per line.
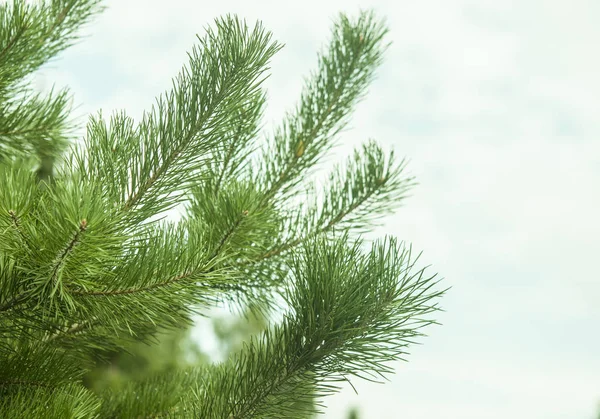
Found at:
<point>87,264</point>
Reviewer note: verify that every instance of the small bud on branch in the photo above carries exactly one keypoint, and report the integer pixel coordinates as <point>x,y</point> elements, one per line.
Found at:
<point>300,149</point>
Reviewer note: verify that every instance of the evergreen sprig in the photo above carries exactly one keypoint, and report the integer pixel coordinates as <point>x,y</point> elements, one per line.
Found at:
<point>357,195</point>
<point>150,164</point>
<point>37,380</point>
<point>326,338</point>
<point>35,124</point>
<point>30,36</point>
<point>344,71</point>
<point>70,401</point>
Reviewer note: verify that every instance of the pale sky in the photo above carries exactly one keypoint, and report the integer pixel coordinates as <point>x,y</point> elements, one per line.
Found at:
<point>495,103</point>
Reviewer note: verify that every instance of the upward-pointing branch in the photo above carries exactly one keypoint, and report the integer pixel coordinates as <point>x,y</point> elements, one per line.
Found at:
<point>156,162</point>
<point>61,259</point>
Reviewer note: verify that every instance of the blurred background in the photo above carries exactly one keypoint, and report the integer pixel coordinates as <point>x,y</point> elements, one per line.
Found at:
<point>496,104</point>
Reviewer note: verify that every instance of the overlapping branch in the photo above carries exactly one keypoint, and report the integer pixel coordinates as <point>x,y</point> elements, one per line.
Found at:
<point>351,314</point>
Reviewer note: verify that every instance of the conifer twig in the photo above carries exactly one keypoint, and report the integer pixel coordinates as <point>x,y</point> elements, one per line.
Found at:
<point>295,242</point>
<point>76,327</point>
<point>17,225</point>
<point>152,287</point>
<point>61,259</point>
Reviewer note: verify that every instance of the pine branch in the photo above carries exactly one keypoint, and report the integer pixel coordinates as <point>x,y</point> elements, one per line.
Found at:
<point>17,226</point>
<point>162,128</point>
<point>328,338</point>
<point>12,41</point>
<point>328,98</point>
<point>136,298</point>
<point>31,35</point>
<point>349,315</point>
<point>38,365</point>
<point>54,277</point>
<point>171,402</point>
<point>238,226</point>
<point>58,256</point>
<point>294,161</point>
<point>359,193</point>
<point>81,270</point>
<point>244,128</point>
<point>154,163</point>
<point>60,260</point>
<point>342,77</point>
<point>54,280</point>
<point>19,191</point>
<point>69,401</point>
<point>35,125</point>
<point>228,235</point>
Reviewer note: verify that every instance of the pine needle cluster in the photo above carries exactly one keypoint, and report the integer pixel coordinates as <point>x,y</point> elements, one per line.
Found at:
<point>87,263</point>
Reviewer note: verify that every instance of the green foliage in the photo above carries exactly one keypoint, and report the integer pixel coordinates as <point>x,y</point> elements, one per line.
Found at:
<point>343,73</point>
<point>89,270</point>
<point>147,168</point>
<point>327,336</point>
<point>68,401</point>
<point>30,36</point>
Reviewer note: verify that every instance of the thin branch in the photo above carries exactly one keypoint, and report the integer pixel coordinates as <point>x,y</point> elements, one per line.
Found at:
<point>76,327</point>
<point>227,235</point>
<point>166,283</point>
<point>137,196</point>
<point>271,191</point>
<point>135,290</point>
<point>6,383</point>
<point>16,222</point>
<point>59,20</point>
<point>282,177</point>
<point>154,286</point>
<point>295,242</point>
<point>61,259</point>
<point>297,155</point>
<point>336,96</point>
<point>226,160</point>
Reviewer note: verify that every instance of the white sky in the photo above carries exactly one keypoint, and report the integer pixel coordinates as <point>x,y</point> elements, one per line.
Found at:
<point>496,105</point>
